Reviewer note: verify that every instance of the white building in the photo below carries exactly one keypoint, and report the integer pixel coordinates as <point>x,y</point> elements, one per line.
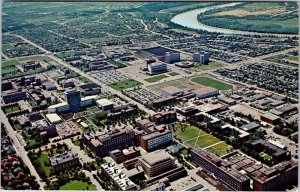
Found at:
<point>88,101</point>
<point>59,108</point>
<point>201,58</point>
<point>105,104</point>
<point>154,68</point>
<point>53,118</point>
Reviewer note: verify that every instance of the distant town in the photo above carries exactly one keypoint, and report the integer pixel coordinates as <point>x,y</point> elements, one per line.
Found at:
<point>141,96</point>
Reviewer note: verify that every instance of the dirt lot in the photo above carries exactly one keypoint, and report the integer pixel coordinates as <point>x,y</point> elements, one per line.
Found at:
<point>242,12</point>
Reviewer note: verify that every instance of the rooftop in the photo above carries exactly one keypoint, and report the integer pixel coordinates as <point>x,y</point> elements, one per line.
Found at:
<point>156,157</point>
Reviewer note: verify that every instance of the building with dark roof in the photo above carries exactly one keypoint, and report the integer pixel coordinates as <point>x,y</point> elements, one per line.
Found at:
<point>61,162</point>
<point>232,178</point>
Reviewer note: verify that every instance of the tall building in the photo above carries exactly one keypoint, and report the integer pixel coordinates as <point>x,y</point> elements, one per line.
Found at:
<point>156,163</point>
<point>155,68</point>
<point>172,57</point>
<point>73,98</point>
<point>202,58</point>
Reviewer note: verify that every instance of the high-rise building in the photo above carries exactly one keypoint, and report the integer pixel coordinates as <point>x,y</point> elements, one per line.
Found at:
<point>155,68</point>
<point>202,58</point>
<point>172,57</point>
<point>73,98</point>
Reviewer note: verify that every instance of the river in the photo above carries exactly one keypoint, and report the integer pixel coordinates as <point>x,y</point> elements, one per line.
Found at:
<point>189,19</point>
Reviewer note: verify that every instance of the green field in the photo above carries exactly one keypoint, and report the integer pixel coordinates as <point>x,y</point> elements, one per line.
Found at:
<point>265,156</point>
<point>219,149</point>
<point>125,84</point>
<point>43,162</point>
<point>156,78</point>
<point>293,58</point>
<point>173,74</point>
<point>211,65</point>
<point>6,46</point>
<point>12,109</point>
<point>206,81</point>
<point>189,137</point>
<point>77,185</point>
<point>272,59</point>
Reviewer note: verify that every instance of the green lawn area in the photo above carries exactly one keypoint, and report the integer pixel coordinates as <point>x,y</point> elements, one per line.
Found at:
<point>33,104</point>
<point>10,63</point>
<point>265,156</point>
<point>156,78</point>
<point>177,82</point>
<point>173,74</point>
<point>11,109</point>
<point>189,137</point>
<point>77,142</point>
<point>125,84</point>
<point>184,152</point>
<point>77,185</point>
<point>6,46</point>
<point>84,80</point>
<point>206,81</point>
<point>219,149</point>
<point>293,58</point>
<point>42,160</point>
<point>272,59</point>
<point>17,127</point>
<point>211,65</point>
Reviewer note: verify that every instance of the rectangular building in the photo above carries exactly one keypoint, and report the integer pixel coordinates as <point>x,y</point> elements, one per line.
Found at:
<point>156,162</point>
<point>64,161</point>
<point>232,178</point>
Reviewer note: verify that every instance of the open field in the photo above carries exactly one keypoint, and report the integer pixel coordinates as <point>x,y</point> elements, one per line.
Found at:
<point>211,65</point>
<point>173,74</point>
<point>192,136</point>
<point>242,12</point>
<point>206,81</point>
<point>156,78</point>
<point>12,109</point>
<point>125,84</point>
<point>77,185</point>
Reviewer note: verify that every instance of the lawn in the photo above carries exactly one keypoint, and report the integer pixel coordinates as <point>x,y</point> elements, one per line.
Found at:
<point>206,81</point>
<point>173,74</point>
<point>12,109</point>
<point>219,149</point>
<point>178,82</point>
<point>77,142</point>
<point>189,135</point>
<point>125,84</point>
<point>211,65</point>
<point>10,63</point>
<point>43,160</point>
<point>77,185</point>
<point>156,78</point>
<point>293,58</point>
<point>84,80</point>
<point>265,156</point>
<point>32,103</point>
<point>6,46</point>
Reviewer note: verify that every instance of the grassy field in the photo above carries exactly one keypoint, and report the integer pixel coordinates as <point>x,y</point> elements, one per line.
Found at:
<point>272,59</point>
<point>6,46</point>
<point>43,160</point>
<point>77,185</point>
<point>125,84</point>
<point>293,58</point>
<point>206,81</point>
<point>175,83</point>
<point>11,109</point>
<point>265,156</point>
<point>173,74</point>
<point>189,137</point>
<point>156,78</point>
<point>211,65</point>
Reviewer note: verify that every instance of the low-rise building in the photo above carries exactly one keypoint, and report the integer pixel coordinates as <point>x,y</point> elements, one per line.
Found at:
<point>205,92</point>
<point>119,179</point>
<point>64,161</point>
<point>67,129</point>
<point>53,118</point>
<point>14,96</point>
<point>165,117</point>
<point>59,108</point>
<point>105,104</point>
<point>122,155</point>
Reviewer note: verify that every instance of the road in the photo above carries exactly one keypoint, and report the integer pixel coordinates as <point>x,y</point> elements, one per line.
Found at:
<point>20,149</point>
